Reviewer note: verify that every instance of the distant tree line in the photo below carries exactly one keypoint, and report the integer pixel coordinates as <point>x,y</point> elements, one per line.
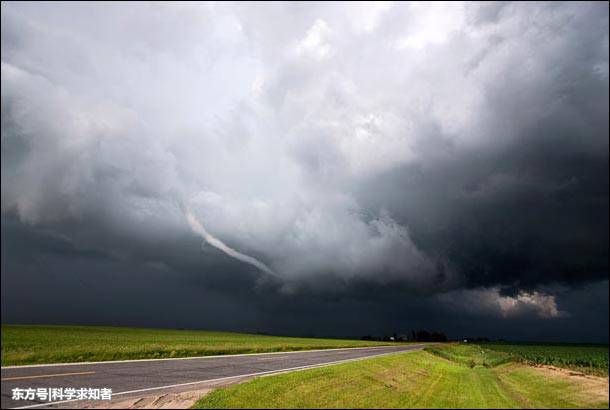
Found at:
<point>425,336</point>
<point>415,336</point>
<point>478,339</point>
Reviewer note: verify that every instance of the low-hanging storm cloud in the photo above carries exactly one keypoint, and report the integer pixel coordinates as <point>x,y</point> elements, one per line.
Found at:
<point>379,165</point>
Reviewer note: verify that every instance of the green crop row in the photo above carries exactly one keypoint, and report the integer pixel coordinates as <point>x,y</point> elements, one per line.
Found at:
<point>594,358</point>
<point>591,359</point>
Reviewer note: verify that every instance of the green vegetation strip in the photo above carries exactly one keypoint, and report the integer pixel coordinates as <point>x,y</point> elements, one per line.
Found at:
<point>29,344</point>
<point>416,379</point>
<point>470,355</point>
<point>592,359</point>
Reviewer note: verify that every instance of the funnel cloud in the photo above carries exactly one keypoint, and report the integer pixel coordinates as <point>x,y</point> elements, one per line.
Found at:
<point>198,228</point>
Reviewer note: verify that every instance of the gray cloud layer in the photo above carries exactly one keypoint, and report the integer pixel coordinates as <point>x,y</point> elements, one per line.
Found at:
<point>364,153</point>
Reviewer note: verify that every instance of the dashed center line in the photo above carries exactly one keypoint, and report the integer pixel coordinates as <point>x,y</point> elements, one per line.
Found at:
<point>44,375</point>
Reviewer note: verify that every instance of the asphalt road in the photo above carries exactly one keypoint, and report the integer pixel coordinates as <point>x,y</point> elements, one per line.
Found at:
<point>137,377</point>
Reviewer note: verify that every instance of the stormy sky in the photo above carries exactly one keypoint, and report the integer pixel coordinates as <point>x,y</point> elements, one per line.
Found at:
<point>328,169</point>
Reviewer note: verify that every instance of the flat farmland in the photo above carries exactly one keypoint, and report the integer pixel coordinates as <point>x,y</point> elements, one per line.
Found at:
<point>37,344</point>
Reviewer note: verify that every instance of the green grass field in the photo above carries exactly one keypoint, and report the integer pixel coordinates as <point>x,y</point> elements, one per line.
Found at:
<point>29,344</point>
<point>419,379</point>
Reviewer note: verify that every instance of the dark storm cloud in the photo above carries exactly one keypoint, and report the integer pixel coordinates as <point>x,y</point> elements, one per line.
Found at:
<point>391,162</point>
<point>531,213</point>
<point>50,288</point>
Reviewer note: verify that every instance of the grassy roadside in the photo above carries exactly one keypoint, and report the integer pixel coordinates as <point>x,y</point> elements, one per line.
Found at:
<point>32,344</point>
<point>419,379</point>
<point>470,355</point>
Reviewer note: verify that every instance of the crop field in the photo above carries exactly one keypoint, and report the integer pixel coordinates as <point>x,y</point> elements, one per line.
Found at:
<point>591,359</point>
<point>459,377</point>
<point>30,344</point>
<point>588,358</point>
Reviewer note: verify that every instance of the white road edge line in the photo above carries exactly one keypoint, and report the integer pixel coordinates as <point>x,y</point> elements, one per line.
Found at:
<point>311,366</point>
<point>192,357</point>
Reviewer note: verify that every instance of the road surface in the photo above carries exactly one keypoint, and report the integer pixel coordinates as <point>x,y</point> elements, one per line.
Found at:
<point>145,377</point>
